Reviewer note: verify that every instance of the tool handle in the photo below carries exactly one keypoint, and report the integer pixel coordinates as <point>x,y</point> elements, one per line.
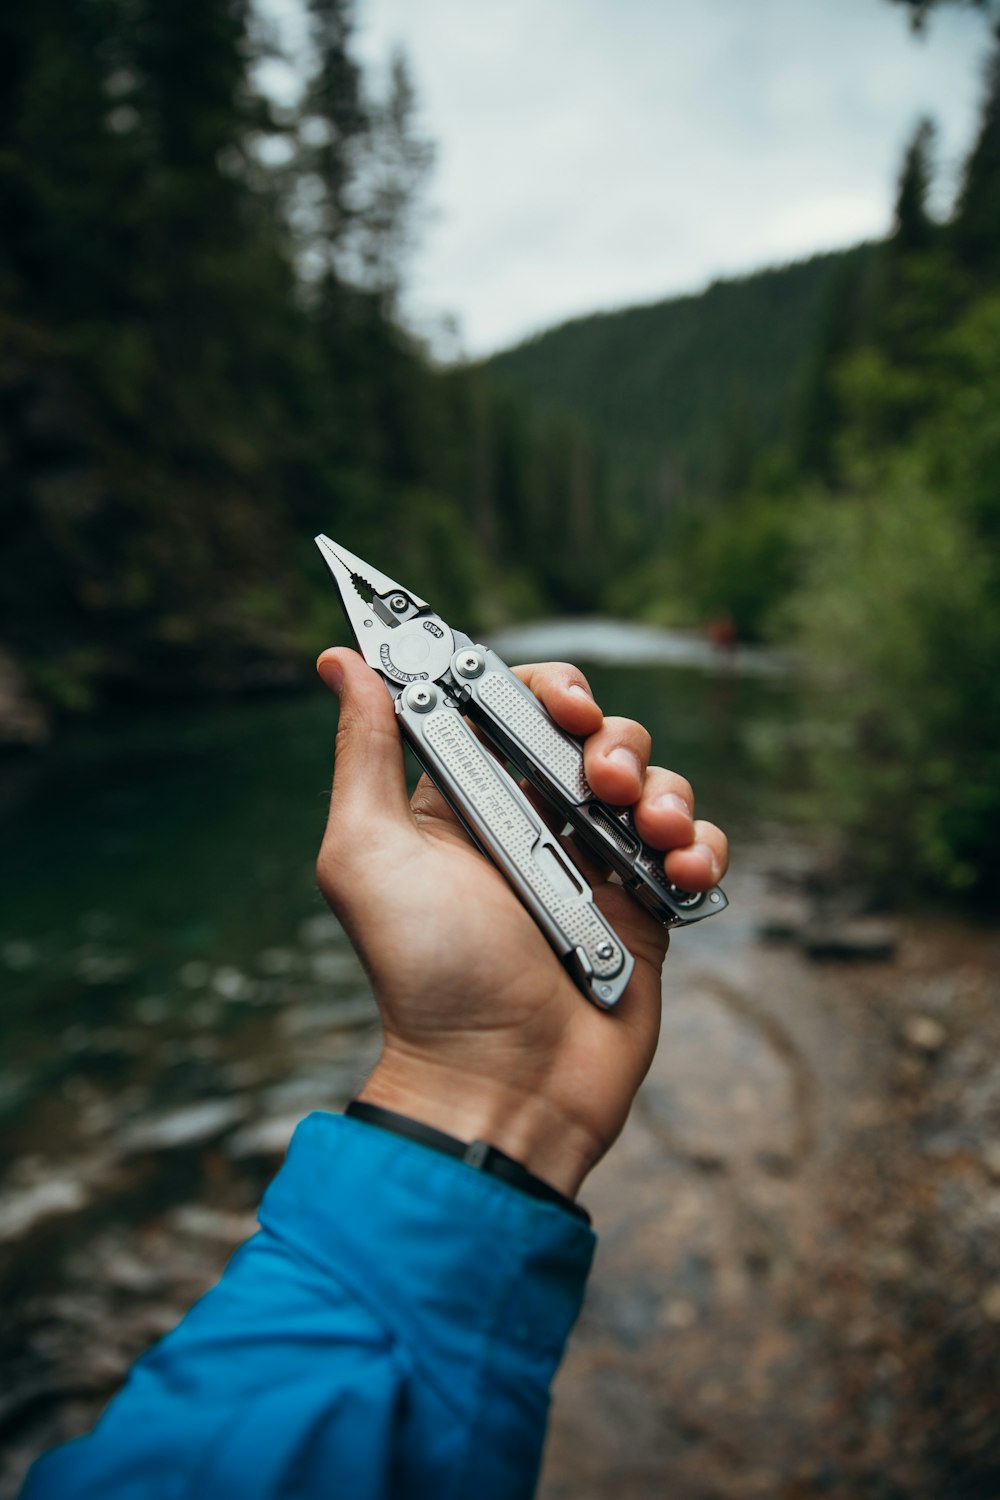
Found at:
<point>508,829</point>
<point>512,717</point>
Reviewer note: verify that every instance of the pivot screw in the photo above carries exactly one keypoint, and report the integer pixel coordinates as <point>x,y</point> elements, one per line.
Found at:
<point>469,664</point>
<point>421,698</point>
<point>398,602</point>
<point>605,950</point>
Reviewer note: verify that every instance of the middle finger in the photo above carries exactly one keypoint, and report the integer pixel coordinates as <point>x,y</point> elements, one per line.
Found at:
<point>615,758</point>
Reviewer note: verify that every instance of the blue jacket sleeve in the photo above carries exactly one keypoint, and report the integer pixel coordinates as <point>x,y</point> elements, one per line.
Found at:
<point>389,1334</point>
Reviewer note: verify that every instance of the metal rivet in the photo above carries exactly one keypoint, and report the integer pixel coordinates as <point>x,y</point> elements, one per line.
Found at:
<point>398,602</point>
<point>469,664</point>
<point>715,897</point>
<point>421,698</point>
<point>605,950</point>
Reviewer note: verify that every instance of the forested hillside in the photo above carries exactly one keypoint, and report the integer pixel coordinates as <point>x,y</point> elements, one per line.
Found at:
<point>833,487</point>
<point>202,364</point>
<point>686,393</point>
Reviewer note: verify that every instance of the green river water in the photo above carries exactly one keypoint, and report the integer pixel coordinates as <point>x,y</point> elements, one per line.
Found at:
<point>153,869</point>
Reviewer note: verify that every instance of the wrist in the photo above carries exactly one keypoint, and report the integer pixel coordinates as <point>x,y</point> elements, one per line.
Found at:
<point>523,1124</point>
<point>476,1154</point>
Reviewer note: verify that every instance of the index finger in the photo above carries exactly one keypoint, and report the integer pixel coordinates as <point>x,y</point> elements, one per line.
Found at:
<point>565,692</point>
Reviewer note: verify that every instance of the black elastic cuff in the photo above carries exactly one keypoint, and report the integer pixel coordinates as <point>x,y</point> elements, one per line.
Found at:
<point>479,1154</point>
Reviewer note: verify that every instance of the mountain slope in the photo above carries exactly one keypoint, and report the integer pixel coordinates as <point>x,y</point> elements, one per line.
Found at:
<point>693,386</point>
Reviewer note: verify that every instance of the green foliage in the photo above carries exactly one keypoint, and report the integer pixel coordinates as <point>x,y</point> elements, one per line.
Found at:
<point>743,563</point>
<point>976,230</point>
<point>913,228</point>
<point>198,359</point>
<point>731,568</point>
<point>684,395</point>
<point>200,366</point>
<point>896,615</point>
<point>897,607</point>
<point>811,455</point>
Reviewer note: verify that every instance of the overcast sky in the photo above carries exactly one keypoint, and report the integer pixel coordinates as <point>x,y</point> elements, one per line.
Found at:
<point>598,153</point>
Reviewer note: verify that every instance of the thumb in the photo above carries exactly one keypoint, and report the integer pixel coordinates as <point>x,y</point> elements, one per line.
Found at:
<point>369,779</point>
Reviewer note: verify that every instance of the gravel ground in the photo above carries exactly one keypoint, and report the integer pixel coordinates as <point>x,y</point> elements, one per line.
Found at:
<point>797,1288</point>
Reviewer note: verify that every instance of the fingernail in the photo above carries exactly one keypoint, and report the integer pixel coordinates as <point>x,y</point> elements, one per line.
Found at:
<point>332,673</point>
<point>580,691</point>
<point>625,760</point>
<point>706,854</point>
<point>671,802</point>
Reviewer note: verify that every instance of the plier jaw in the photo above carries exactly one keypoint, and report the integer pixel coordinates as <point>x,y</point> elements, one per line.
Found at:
<point>397,632</point>
<point>453,698</point>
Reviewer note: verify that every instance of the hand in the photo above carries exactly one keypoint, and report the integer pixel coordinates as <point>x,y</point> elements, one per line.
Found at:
<point>485,1035</point>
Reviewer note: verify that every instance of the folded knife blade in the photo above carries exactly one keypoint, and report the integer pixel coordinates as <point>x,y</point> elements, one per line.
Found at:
<point>443,683</point>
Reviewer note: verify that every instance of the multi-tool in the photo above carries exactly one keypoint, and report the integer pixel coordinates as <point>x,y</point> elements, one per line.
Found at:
<point>443,684</point>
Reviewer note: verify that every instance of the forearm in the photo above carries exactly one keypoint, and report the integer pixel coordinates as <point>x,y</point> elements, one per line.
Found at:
<point>391,1332</point>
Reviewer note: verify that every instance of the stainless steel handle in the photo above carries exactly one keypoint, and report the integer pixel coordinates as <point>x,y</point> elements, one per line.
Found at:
<point>508,829</point>
<point>552,760</point>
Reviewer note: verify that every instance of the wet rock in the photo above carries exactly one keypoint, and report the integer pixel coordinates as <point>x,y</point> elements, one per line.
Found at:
<point>863,939</point>
<point>230,984</point>
<point>924,1033</point>
<point>679,1313</point>
<point>320,930</point>
<point>194,975</point>
<point>204,1013</point>
<point>200,1222</point>
<point>332,968</point>
<point>729,1088</point>
<point>204,1048</point>
<point>23,720</point>
<point>345,1015</point>
<point>74,1038</point>
<point>127,1272</point>
<point>150,1010</point>
<point>14,1088</point>
<point>787,917</point>
<point>276,961</point>
<point>22,1210</point>
<point>180,1129</point>
<point>265,1140</point>
<point>245,1073</point>
<point>18,955</point>
<point>320,1090</point>
<point>95,966</point>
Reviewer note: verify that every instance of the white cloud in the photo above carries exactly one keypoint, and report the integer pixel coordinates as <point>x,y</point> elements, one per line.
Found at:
<point>592,155</point>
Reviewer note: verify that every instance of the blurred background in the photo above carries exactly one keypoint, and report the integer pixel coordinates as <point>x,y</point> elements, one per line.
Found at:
<point>665,339</point>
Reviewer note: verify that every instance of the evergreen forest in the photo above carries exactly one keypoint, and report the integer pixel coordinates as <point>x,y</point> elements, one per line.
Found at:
<point>202,363</point>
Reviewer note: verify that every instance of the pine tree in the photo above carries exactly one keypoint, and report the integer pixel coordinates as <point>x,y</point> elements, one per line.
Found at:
<point>397,162</point>
<point>913,227</point>
<point>976,227</point>
<point>332,127</point>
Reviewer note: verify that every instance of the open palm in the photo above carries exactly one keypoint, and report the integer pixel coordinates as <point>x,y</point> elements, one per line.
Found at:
<point>485,1033</point>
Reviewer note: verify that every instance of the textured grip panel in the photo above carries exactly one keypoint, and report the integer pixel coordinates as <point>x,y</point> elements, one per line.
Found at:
<point>509,703</point>
<point>511,715</point>
<point>506,825</point>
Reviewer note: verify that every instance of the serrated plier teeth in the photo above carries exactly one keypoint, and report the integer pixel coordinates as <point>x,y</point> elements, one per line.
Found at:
<point>369,597</point>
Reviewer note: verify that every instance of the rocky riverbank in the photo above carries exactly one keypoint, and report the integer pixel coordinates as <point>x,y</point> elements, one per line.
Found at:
<point>797,1287</point>
<point>797,1290</point>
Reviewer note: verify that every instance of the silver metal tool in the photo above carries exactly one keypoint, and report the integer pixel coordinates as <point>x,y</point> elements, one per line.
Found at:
<point>443,683</point>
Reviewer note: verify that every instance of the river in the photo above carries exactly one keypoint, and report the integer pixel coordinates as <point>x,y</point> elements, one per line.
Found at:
<point>796,1288</point>
<point>155,866</point>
